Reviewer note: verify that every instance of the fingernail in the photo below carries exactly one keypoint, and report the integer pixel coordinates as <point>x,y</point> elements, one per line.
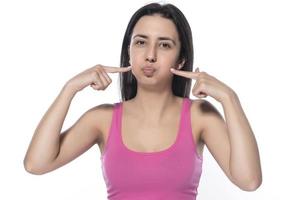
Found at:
<point>171,69</point>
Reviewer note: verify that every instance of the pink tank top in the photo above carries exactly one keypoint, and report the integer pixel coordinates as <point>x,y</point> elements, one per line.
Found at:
<point>170,174</point>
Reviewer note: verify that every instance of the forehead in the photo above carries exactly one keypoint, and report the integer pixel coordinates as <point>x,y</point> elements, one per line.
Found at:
<point>156,26</point>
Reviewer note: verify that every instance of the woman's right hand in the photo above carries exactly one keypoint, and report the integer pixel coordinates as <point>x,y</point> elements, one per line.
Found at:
<point>96,77</point>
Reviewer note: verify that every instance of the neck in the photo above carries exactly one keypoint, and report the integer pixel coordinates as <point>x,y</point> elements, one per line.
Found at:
<point>153,104</point>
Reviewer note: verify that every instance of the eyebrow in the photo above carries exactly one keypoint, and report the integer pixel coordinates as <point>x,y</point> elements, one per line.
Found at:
<point>160,38</point>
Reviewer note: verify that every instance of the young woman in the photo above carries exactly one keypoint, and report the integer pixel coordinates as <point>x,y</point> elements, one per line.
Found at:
<point>152,141</point>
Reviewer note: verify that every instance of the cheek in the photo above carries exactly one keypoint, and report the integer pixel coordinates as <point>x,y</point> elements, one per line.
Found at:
<point>135,62</point>
<point>169,58</point>
<point>168,61</point>
<point>136,57</point>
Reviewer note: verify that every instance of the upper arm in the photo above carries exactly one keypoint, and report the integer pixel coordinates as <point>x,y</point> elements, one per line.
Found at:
<point>215,136</point>
<point>77,139</point>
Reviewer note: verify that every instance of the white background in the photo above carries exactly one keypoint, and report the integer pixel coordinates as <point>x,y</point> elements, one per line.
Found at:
<point>252,46</point>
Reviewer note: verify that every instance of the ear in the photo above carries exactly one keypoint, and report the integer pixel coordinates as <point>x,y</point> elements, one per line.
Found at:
<point>181,64</point>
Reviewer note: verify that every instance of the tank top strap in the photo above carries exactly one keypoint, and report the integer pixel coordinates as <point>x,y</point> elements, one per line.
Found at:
<point>118,124</point>
<point>187,142</point>
<point>114,128</point>
<point>186,113</point>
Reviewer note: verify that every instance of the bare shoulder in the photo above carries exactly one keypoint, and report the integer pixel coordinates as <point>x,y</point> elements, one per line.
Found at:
<point>101,116</point>
<point>202,111</point>
<point>79,137</point>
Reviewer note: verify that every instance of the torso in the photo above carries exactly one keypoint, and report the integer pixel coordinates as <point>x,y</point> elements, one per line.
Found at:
<point>143,136</point>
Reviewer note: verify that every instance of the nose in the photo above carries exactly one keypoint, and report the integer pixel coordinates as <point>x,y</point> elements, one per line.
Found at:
<point>151,55</point>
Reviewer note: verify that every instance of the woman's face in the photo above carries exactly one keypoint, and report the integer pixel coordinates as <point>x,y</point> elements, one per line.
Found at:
<point>154,48</point>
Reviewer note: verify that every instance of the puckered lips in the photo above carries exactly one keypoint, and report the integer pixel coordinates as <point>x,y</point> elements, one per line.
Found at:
<point>148,70</point>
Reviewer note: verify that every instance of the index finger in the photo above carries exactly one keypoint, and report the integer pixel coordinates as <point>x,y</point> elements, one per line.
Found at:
<point>116,69</point>
<point>186,74</point>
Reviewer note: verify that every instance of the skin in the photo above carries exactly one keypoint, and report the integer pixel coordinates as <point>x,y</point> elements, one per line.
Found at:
<point>141,51</point>
<point>231,142</point>
<point>50,149</point>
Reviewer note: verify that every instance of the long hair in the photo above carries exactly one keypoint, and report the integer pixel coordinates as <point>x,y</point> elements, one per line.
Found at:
<point>181,86</point>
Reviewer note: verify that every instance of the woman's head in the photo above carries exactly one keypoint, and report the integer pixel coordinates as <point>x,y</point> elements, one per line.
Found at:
<point>157,35</point>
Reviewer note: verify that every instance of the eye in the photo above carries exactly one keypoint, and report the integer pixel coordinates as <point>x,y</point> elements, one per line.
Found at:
<point>165,45</point>
<point>140,42</point>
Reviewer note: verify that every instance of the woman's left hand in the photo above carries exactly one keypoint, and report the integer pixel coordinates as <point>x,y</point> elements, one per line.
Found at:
<point>206,85</point>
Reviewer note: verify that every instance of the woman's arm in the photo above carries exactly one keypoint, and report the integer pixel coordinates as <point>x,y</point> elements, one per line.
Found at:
<point>232,142</point>
<point>244,154</point>
<point>44,145</point>
<point>50,149</point>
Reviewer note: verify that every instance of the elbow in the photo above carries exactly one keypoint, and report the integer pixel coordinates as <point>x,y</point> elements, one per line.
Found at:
<point>248,181</point>
<point>30,168</point>
<point>251,185</point>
